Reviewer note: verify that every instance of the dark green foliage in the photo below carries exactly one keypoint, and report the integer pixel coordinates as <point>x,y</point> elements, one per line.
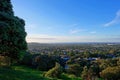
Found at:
<point>21,73</point>
<point>12,32</point>
<point>84,74</point>
<point>27,59</point>
<point>78,60</point>
<point>118,62</point>
<point>5,6</point>
<point>91,73</point>
<point>55,71</point>
<point>4,61</point>
<point>75,69</point>
<point>45,62</point>
<point>111,73</point>
<point>107,63</point>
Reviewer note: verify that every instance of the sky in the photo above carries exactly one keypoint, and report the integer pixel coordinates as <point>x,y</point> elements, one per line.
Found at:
<point>56,21</point>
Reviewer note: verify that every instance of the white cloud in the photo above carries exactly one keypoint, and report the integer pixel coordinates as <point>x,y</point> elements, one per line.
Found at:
<point>116,20</point>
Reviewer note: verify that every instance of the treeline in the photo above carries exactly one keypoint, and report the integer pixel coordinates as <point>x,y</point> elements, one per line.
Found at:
<point>88,61</point>
<point>77,66</point>
<point>103,50</point>
<point>108,69</point>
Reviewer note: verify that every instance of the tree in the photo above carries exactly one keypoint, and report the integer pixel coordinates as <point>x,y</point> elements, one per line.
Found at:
<point>44,62</point>
<point>27,59</point>
<point>111,73</point>
<point>84,74</point>
<point>12,32</point>
<point>93,71</point>
<point>55,71</point>
<point>75,69</point>
<point>118,62</point>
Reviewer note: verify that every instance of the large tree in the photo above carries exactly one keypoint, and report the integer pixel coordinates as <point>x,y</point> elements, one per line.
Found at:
<point>111,73</point>
<point>12,32</point>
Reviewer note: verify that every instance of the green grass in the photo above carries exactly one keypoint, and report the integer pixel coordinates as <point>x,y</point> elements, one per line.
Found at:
<point>69,77</point>
<point>21,73</point>
<point>25,73</point>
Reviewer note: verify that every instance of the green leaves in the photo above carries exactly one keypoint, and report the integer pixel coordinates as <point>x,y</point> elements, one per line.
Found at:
<point>111,73</point>
<point>55,71</point>
<point>5,6</point>
<point>12,32</point>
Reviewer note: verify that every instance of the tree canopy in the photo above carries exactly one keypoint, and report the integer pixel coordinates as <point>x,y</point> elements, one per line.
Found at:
<point>12,32</point>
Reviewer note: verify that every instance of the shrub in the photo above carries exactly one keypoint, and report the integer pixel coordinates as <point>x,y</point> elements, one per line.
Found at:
<point>4,61</point>
<point>75,69</point>
<point>55,71</point>
<point>111,73</point>
<point>44,62</point>
<point>27,59</point>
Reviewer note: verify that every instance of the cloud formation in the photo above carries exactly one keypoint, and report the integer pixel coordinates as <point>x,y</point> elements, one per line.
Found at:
<point>116,20</point>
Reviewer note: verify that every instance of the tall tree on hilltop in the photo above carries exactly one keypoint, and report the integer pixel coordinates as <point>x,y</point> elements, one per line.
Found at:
<point>12,32</point>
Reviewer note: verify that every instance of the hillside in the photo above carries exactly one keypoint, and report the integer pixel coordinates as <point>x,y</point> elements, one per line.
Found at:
<point>20,73</point>
<point>25,73</point>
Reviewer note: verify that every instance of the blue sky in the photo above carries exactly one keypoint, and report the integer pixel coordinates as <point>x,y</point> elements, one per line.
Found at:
<point>49,21</point>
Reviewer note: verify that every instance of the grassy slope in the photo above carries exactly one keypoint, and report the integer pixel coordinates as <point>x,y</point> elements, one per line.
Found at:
<point>20,73</point>
<point>25,73</point>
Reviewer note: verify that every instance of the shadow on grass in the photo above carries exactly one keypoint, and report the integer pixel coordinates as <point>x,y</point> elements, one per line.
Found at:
<point>20,73</point>
<point>25,73</point>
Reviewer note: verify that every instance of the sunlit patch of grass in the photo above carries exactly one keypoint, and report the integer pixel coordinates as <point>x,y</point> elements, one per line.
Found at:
<point>69,77</point>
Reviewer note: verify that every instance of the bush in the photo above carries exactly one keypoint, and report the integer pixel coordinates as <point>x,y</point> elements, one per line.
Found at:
<point>75,69</point>
<point>4,61</point>
<point>55,72</point>
<point>84,74</point>
<point>111,73</point>
<point>27,59</point>
<point>44,62</point>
